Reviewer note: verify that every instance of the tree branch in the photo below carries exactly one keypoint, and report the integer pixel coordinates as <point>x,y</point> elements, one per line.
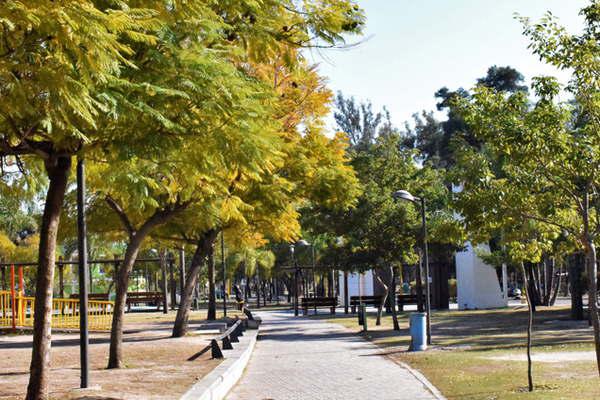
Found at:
<point>121,214</point>
<point>547,221</point>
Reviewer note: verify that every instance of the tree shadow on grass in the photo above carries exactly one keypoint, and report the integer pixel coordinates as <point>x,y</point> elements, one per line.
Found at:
<point>488,329</point>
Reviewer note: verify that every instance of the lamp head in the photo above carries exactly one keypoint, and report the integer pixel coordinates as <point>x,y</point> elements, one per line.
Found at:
<point>302,242</point>
<point>404,195</point>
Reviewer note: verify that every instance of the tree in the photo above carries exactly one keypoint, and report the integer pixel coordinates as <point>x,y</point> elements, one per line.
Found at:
<point>435,139</point>
<point>59,61</point>
<point>490,203</point>
<point>547,164</point>
<point>310,169</point>
<point>358,121</point>
<point>146,192</point>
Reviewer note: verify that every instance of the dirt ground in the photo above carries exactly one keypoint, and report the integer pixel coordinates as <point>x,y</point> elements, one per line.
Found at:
<point>156,365</point>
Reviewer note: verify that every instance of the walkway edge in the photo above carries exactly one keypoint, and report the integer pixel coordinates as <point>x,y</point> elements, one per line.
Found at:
<point>418,375</point>
<point>223,378</point>
<point>421,378</point>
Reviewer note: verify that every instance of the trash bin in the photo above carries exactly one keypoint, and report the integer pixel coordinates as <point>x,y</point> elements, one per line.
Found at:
<point>418,331</point>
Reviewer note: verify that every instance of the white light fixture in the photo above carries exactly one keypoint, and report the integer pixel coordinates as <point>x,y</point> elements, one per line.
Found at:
<point>405,195</point>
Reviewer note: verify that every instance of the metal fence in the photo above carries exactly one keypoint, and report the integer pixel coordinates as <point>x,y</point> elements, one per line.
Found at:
<point>17,310</point>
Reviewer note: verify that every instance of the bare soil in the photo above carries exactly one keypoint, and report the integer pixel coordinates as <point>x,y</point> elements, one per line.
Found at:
<point>156,365</point>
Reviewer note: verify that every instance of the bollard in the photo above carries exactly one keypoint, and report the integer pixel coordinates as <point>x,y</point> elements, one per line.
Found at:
<point>418,332</point>
<point>215,350</point>
<point>227,343</point>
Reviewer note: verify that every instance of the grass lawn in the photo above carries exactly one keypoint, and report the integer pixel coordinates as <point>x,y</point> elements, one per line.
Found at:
<point>481,354</point>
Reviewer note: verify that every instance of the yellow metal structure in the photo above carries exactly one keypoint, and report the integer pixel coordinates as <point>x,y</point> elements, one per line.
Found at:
<point>65,312</point>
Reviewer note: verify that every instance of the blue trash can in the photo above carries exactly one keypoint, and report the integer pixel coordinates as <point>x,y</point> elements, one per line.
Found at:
<point>418,331</point>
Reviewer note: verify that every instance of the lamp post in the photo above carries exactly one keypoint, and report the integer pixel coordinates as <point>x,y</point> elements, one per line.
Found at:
<point>303,242</point>
<point>295,265</point>
<point>300,242</point>
<point>407,196</point>
<point>223,266</point>
<point>83,276</point>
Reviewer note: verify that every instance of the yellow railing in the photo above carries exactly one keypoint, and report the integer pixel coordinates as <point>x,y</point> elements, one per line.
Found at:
<point>65,312</point>
<point>5,309</point>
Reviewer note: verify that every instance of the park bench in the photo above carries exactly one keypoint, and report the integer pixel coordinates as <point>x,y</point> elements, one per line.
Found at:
<point>318,302</point>
<point>374,301</point>
<point>150,298</point>
<point>226,338</point>
<point>92,296</point>
<point>405,299</point>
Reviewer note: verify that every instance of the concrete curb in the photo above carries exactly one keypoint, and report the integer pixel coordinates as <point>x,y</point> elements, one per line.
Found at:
<point>419,376</point>
<point>223,378</point>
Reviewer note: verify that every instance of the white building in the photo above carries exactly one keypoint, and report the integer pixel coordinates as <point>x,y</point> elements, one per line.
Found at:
<point>358,285</point>
<point>477,282</point>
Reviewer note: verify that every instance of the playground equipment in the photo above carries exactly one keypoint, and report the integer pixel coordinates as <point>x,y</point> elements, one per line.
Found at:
<point>17,310</point>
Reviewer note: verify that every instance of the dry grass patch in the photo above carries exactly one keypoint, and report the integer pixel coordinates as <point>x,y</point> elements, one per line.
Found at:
<point>464,364</point>
<point>156,365</point>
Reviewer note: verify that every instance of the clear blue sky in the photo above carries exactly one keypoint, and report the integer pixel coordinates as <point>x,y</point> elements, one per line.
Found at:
<point>415,47</point>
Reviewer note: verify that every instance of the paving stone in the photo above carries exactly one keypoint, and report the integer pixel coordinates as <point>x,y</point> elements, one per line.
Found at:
<point>301,358</point>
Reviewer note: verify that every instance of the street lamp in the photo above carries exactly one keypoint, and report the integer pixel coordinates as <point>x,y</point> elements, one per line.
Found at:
<point>303,242</point>
<point>295,265</point>
<point>300,242</point>
<point>407,196</point>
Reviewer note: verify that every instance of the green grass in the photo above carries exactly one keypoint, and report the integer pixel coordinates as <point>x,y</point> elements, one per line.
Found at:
<point>460,365</point>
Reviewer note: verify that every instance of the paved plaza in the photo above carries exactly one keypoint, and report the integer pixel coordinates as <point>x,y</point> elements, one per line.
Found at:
<point>300,358</point>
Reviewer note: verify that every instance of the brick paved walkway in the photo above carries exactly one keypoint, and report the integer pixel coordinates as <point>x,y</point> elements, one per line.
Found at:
<point>299,358</point>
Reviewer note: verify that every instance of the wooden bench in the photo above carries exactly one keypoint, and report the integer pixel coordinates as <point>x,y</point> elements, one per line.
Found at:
<point>405,299</point>
<point>92,296</point>
<point>150,298</point>
<point>366,300</point>
<point>318,302</point>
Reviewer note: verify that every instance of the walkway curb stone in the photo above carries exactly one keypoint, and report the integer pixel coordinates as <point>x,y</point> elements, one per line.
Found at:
<point>434,391</point>
<point>219,381</point>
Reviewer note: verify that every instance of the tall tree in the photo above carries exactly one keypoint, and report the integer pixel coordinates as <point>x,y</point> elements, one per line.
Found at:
<point>435,139</point>
<point>59,61</point>
<point>358,121</point>
<point>547,165</point>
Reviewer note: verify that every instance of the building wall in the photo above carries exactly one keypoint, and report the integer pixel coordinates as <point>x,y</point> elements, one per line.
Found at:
<point>366,285</point>
<point>477,283</point>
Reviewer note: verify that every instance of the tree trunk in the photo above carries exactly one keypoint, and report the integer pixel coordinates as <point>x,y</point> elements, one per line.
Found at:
<point>393,299</point>
<point>203,246</point>
<point>115,357</point>
<point>532,286</point>
<point>257,285</point>
<point>212,300</point>
<point>576,282</point>
<point>529,329</point>
<point>265,285</point>
<point>556,288</point>
<point>592,269</point>
<point>172,282</point>
<point>58,169</point>
<point>386,290</point>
